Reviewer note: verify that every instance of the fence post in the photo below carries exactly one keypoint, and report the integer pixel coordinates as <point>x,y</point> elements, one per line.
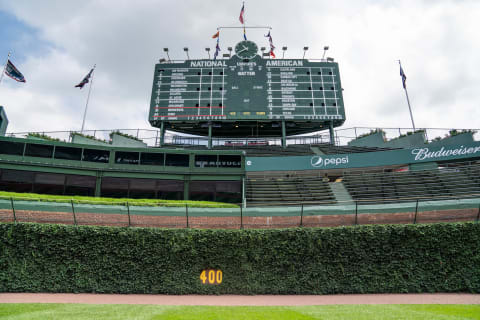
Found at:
<point>186,213</point>
<point>73,212</point>
<point>356,212</point>
<point>128,212</point>
<point>241,217</point>
<point>416,211</point>
<point>301,217</point>
<point>15,216</point>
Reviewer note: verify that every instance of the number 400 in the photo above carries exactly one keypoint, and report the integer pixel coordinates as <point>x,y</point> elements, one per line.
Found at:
<point>211,276</point>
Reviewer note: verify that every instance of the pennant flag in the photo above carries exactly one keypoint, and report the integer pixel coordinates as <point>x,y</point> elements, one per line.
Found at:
<point>404,77</point>
<point>272,47</point>
<point>12,72</point>
<point>85,80</point>
<point>241,14</point>
<point>244,34</point>
<point>216,35</point>
<point>217,50</point>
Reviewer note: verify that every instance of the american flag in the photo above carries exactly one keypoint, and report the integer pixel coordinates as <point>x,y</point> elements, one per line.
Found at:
<point>241,14</point>
<point>13,72</point>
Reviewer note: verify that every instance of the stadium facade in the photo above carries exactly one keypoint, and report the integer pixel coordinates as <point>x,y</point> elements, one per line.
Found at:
<point>246,107</point>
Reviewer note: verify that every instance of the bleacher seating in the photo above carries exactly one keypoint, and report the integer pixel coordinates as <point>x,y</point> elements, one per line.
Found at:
<point>455,181</point>
<point>327,148</point>
<point>287,191</point>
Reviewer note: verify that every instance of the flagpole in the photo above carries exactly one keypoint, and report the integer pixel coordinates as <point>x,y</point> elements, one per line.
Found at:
<point>5,67</point>
<point>408,100</point>
<point>88,98</point>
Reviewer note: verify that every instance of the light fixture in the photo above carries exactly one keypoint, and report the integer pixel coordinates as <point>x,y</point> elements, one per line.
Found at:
<point>284,49</point>
<point>330,59</point>
<point>166,51</point>
<point>186,51</point>
<point>226,55</point>
<point>304,51</point>
<point>324,51</point>
<point>208,51</point>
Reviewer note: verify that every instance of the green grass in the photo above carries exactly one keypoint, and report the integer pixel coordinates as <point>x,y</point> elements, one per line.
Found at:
<point>113,201</point>
<point>331,312</point>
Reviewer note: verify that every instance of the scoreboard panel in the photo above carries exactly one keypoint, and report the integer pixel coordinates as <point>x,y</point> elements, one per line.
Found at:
<point>245,91</point>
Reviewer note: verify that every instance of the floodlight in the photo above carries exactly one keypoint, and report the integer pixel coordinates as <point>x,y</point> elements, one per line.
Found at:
<point>304,51</point>
<point>324,51</point>
<point>186,51</point>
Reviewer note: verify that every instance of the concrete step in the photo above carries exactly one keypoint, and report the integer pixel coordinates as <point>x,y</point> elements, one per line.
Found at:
<point>341,193</point>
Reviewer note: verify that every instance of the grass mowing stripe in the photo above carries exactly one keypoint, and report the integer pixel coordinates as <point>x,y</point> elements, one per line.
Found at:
<point>331,312</point>
<point>112,201</point>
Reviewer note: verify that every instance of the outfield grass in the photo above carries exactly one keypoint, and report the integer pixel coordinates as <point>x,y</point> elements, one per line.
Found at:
<point>113,201</point>
<point>143,312</point>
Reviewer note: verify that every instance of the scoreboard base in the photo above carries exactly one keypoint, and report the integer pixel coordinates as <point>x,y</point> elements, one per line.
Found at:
<point>239,129</point>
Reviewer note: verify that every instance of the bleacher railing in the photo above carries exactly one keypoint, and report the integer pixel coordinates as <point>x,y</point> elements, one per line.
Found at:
<point>342,136</point>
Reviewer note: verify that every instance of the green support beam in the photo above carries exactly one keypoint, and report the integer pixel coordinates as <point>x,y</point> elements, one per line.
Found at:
<point>209,136</point>
<point>332,133</point>
<point>284,135</point>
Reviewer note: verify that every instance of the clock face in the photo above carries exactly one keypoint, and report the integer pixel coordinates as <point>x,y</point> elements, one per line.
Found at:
<point>246,49</point>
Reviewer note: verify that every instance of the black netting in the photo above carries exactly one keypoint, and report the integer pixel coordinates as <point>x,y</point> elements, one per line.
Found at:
<point>68,153</point>
<point>12,148</point>
<point>39,150</point>
<point>155,159</point>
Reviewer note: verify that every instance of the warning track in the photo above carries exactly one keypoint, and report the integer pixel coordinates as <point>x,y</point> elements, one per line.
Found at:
<point>236,300</point>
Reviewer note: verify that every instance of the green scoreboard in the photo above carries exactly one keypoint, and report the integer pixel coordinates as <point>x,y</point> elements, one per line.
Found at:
<point>247,95</point>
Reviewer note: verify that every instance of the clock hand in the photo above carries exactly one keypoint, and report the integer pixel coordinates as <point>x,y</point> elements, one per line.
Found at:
<point>242,50</point>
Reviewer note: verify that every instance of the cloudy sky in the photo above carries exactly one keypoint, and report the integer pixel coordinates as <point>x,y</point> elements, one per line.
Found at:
<point>55,43</point>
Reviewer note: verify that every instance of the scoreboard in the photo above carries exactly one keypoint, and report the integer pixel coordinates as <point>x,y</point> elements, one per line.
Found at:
<point>245,91</point>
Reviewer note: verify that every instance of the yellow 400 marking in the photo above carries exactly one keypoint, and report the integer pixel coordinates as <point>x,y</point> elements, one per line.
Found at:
<point>211,276</point>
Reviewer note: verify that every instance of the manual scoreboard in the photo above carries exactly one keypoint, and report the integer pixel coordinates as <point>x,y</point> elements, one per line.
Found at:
<point>246,89</point>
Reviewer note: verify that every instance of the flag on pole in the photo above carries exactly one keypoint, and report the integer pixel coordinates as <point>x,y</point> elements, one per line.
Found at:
<point>244,34</point>
<point>217,50</point>
<point>404,77</point>
<point>216,35</point>
<point>272,47</point>
<point>241,14</point>
<point>13,72</point>
<point>85,80</point>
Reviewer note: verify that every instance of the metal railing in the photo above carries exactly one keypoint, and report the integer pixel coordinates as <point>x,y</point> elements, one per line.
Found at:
<point>152,136</point>
<point>299,215</point>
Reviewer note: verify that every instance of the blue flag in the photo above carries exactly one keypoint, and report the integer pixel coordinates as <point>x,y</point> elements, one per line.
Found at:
<point>217,50</point>
<point>404,77</point>
<point>85,80</point>
<point>12,72</point>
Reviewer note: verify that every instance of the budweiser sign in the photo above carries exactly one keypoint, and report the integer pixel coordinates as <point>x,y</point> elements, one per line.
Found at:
<point>425,153</point>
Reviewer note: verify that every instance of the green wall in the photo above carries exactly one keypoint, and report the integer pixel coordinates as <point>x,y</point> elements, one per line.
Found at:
<point>365,259</point>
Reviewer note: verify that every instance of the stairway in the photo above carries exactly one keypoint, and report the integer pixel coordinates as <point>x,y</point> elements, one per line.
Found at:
<point>340,192</point>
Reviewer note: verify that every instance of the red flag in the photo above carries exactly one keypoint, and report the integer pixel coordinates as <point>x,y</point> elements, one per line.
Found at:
<point>216,35</point>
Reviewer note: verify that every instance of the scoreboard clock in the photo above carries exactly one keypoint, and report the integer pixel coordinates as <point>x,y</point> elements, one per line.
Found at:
<point>246,95</point>
<point>246,49</point>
